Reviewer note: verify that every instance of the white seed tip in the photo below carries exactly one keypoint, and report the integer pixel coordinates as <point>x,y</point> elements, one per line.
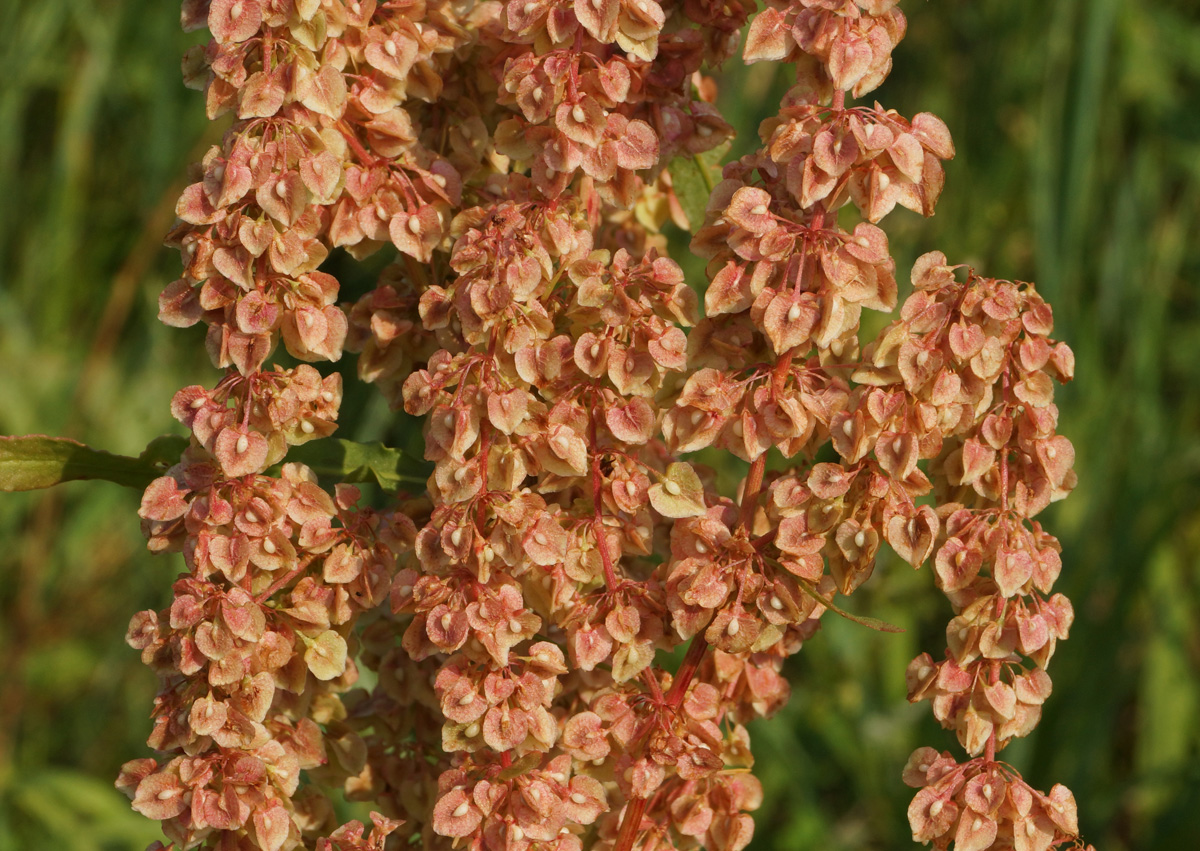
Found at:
<point>673,488</point>
<point>462,809</point>
<point>776,603</point>
<point>243,443</point>
<point>578,114</point>
<point>578,797</point>
<point>848,427</point>
<point>860,539</point>
<point>268,546</point>
<point>793,313</point>
<point>760,210</point>
<point>389,47</point>
<point>307,427</point>
<point>414,225</point>
<point>732,627</point>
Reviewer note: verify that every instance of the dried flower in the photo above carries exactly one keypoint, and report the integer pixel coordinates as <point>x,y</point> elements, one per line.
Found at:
<point>512,154</point>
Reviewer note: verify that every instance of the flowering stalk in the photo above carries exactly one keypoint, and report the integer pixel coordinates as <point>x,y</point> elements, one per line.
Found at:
<point>513,155</point>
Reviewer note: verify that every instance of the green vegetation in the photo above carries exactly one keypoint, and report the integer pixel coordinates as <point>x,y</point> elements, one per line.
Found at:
<point>1078,133</point>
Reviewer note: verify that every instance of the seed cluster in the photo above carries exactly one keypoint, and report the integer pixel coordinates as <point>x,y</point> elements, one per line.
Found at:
<point>515,618</point>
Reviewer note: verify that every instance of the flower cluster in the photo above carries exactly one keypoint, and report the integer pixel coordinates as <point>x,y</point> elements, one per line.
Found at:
<point>981,804</point>
<point>844,43</point>
<point>515,616</point>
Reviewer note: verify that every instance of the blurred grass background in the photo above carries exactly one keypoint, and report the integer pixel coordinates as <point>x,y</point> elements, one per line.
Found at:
<point>1078,133</point>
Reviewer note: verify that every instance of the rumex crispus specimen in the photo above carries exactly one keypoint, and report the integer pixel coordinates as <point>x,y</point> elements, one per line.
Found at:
<point>516,158</point>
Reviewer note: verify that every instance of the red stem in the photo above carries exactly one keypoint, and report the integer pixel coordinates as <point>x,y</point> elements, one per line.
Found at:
<point>631,823</point>
<point>355,145</point>
<point>687,670</point>
<point>285,579</point>
<point>990,752</point>
<point>610,573</point>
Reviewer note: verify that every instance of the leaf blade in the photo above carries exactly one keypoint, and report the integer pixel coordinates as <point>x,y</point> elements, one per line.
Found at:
<point>693,179</point>
<point>37,461</point>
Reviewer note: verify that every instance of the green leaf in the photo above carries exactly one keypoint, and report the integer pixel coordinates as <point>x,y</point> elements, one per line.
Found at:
<point>165,450</point>
<point>522,766</point>
<point>31,462</point>
<point>871,623</point>
<point>347,461</point>
<point>693,179</point>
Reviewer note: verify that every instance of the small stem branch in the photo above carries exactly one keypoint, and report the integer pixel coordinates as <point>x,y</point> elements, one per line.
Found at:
<point>610,573</point>
<point>990,753</point>
<point>355,145</point>
<point>286,578</point>
<point>750,492</point>
<point>687,670</point>
<point>631,823</point>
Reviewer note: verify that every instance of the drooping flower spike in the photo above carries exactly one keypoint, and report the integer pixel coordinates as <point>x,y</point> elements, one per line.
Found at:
<point>515,617</point>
